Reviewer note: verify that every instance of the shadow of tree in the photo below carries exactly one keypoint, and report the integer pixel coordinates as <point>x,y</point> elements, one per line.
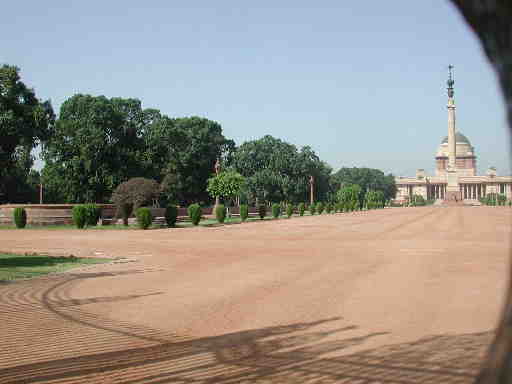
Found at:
<point>48,339</point>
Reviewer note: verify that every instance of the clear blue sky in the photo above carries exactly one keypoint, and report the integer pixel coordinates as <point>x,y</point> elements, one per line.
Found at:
<point>362,82</point>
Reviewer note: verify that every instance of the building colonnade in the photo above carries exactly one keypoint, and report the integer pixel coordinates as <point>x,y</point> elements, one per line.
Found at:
<point>436,191</point>
<point>469,191</point>
<point>473,191</point>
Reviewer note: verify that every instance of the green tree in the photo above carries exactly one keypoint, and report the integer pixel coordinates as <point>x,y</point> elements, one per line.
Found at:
<point>25,122</point>
<point>181,154</point>
<point>350,197</point>
<point>227,185</point>
<point>97,145</point>
<point>374,199</point>
<point>367,179</point>
<point>276,171</point>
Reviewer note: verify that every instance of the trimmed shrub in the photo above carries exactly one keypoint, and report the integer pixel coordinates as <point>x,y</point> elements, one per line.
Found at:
<point>79,216</point>
<point>194,212</point>
<point>328,208</point>
<point>289,210</point>
<point>220,213</point>
<point>92,215</point>
<point>132,194</point>
<point>312,209</point>
<point>276,210</point>
<point>302,209</point>
<point>320,207</point>
<point>125,211</point>
<point>20,217</point>
<point>262,211</point>
<point>171,215</point>
<point>144,218</point>
<point>244,212</point>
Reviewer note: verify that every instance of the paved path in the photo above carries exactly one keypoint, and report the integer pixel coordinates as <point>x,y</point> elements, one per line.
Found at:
<point>389,296</point>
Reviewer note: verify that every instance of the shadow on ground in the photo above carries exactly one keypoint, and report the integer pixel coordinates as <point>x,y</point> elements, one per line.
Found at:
<point>49,337</point>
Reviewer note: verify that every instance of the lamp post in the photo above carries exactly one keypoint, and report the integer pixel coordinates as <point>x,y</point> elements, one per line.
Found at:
<point>312,189</point>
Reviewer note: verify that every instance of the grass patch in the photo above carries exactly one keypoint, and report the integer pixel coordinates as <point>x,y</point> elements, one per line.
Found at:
<point>14,267</point>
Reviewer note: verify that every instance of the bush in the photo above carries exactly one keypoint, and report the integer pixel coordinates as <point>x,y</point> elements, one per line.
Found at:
<point>328,208</point>
<point>312,209</point>
<point>276,210</point>
<point>262,211</point>
<point>125,211</point>
<point>171,215</point>
<point>144,218</point>
<point>244,212</point>
<point>79,216</point>
<point>220,213</point>
<point>92,214</point>
<point>320,208</point>
<point>289,210</point>
<point>194,212</point>
<point>302,209</point>
<point>20,217</point>
<point>135,192</point>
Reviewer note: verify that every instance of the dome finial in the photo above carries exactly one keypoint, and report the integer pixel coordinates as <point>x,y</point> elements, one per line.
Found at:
<point>450,81</point>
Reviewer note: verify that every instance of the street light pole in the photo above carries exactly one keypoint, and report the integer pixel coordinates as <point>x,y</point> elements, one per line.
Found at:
<point>312,189</point>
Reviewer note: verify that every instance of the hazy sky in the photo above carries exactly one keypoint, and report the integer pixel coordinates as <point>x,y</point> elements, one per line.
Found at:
<point>362,82</point>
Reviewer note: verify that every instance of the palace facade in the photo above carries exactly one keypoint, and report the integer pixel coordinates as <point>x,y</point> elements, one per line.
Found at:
<point>456,177</point>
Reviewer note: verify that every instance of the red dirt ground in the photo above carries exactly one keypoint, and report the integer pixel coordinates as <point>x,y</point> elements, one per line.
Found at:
<point>405,295</point>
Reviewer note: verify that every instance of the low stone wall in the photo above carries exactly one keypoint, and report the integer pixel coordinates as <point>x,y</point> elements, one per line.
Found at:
<point>48,214</point>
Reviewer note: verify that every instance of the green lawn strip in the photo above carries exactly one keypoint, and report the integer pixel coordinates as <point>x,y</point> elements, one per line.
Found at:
<point>22,267</point>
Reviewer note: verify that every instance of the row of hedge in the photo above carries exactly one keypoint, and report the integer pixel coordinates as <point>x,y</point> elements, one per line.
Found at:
<point>88,215</point>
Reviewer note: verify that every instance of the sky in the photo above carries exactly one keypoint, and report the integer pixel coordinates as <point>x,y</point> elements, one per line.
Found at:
<point>361,82</point>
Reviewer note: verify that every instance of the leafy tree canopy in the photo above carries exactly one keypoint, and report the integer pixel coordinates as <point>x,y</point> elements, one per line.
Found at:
<point>182,153</point>
<point>25,122</point>
<point>97,144</point>
<point>227,184</point>
<point>276,171</point>
<point>366,179</point>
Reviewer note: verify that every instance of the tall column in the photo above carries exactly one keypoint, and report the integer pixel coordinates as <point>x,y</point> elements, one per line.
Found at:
<point>452,188</point>
<point>452,148</point>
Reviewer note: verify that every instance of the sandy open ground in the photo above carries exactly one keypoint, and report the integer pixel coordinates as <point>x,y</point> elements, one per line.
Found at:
<point>391,296</point>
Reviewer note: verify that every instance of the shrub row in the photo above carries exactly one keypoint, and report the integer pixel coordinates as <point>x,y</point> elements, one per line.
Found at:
<point>86,215</point>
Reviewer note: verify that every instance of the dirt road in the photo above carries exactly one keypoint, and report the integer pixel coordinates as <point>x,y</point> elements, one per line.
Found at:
<point>391,296</point>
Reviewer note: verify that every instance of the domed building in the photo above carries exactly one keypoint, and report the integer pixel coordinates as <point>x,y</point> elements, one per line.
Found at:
<point>455,176</point>
<point>465,159</point>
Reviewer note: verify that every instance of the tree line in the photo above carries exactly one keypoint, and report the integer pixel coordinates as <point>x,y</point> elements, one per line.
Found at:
<point>96,143</point>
